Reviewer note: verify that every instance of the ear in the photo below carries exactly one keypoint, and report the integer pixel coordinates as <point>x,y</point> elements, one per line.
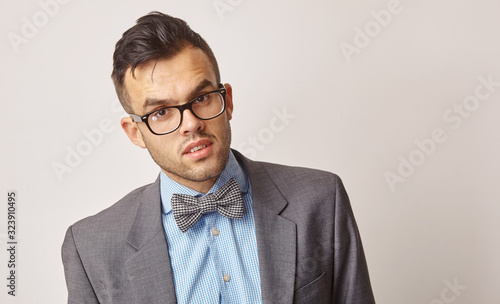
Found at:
<point>133,132</point>
<point>229,101</point>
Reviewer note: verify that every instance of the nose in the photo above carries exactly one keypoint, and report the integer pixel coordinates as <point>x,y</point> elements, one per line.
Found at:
<point>190,123</point>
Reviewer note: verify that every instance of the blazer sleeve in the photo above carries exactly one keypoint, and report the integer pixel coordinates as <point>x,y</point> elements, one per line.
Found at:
<point>351,282</point>
<point>79,288</point>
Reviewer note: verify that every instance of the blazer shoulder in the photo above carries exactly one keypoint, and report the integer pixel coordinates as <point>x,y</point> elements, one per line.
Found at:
<point>293,182</point>
<point>302,187</point>
<point>284,174</point>
<point>121,215</point>
<point>296,170</point>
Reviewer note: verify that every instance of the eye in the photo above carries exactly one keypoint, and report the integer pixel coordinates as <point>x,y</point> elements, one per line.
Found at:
<point>161,114</point>
<point>202,98</point>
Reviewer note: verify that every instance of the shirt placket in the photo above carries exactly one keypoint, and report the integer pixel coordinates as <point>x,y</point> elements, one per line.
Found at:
<point>215,231</point>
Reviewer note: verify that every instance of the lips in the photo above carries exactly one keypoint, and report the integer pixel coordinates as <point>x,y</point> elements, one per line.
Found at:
<point>197,147</point>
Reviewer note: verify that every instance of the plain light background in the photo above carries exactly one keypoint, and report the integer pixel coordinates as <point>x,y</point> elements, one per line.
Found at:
<point>299,99</point>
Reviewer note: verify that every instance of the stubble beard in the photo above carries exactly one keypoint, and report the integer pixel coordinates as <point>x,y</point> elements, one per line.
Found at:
<point>201,170</point>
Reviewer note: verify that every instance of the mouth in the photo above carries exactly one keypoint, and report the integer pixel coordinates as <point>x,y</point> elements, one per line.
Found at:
<point>199,149</point>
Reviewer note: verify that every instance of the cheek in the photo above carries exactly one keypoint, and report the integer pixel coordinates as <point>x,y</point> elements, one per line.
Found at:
<point>222,123</point>
<point>158,143</point>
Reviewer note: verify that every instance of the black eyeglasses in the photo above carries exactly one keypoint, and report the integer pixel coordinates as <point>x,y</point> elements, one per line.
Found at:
<point>167,120</point>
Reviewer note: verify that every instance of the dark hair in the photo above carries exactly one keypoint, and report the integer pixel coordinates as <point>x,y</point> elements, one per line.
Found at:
<point>155,36</point>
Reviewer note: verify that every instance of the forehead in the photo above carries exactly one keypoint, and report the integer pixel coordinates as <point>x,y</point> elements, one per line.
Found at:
<point>173,78</point>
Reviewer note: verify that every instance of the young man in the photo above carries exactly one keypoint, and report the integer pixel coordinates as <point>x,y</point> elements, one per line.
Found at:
<point>215,227</point>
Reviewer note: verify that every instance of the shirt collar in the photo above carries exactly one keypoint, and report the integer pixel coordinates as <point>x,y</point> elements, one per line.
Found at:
<point>232,170</point>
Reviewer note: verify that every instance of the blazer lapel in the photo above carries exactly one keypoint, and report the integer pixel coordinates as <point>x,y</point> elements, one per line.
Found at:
<point>149,269</point>
<point>276,236</point>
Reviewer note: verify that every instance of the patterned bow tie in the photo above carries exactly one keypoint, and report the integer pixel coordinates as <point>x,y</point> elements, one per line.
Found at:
<point>188,209</point>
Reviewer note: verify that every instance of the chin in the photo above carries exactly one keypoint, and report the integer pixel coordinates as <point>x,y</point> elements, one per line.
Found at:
<point>210,172</point>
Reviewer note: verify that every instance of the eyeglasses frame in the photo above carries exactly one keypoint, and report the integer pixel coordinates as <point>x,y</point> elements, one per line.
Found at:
<point>181,108</point>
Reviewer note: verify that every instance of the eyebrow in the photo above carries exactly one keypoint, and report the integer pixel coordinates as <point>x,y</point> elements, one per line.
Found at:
<point>150,102</point>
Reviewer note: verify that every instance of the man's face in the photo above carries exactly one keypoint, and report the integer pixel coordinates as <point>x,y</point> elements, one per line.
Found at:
<point>175,81</point>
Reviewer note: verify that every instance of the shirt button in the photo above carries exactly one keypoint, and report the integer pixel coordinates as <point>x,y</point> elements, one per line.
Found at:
<point>226,278</point>
<point>215,232</point>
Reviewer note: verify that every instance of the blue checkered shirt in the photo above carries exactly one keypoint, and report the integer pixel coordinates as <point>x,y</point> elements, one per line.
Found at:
<point>216,260</point>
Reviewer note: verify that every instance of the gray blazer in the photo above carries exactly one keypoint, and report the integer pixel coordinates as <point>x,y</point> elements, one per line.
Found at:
<point>308,244</point>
